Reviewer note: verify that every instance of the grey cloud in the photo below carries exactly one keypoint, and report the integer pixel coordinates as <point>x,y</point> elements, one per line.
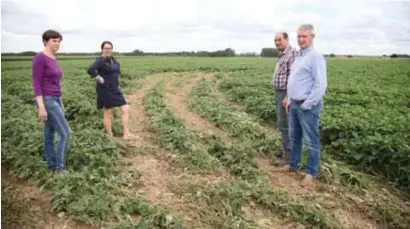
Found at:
<point>17,21</point>
<point>220,26</point>
<point>243,28</point>
<point>69,31</point>
<point>232,29</point>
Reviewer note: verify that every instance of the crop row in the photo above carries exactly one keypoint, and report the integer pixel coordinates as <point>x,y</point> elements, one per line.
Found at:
<point>239,159</point>
<point>341,179</point>
<point>366,114</point>
<point>91,189</point>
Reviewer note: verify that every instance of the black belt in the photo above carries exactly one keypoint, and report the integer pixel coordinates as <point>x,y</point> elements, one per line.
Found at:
<point>298,101</point>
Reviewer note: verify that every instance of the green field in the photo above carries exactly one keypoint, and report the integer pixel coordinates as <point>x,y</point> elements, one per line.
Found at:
<point>208,135</point>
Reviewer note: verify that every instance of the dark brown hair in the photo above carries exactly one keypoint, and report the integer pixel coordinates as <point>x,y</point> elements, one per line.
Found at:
<point>114,60</point>
<point>51,34</point>
<point>106,42</point>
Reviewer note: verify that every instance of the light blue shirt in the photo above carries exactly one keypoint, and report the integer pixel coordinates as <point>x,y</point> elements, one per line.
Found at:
<point>307,79</point>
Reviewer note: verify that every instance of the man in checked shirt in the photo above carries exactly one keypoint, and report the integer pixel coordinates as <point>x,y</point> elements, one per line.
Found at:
<point>279,82</point>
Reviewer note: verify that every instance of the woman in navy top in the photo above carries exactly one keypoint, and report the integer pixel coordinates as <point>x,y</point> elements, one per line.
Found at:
<point>105,70</point>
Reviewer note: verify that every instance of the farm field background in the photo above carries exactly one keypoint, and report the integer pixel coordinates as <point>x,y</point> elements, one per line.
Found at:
<point>208,136</point>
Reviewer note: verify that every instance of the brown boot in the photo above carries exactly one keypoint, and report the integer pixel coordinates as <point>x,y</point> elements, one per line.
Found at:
<point>285,169</point>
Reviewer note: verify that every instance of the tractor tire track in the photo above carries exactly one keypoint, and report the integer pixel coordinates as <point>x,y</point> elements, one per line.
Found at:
<point>160,175</point>
<point>176,98</point>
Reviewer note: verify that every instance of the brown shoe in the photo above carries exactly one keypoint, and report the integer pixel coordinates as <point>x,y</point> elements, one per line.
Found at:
<point>285,169</point>
<point>308,181</point>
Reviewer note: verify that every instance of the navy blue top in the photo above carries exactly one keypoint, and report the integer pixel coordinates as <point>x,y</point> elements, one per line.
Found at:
<point>108,68</point>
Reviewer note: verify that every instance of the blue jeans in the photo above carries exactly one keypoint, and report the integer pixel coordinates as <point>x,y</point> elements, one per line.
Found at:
<point>55,123</point>
<point>305,123</point>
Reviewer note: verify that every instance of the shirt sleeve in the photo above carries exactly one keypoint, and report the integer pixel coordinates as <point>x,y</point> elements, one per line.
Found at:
<point>93,69</point>
<point>37,71</point>
<point>289,63</point>
<point>319,81</point>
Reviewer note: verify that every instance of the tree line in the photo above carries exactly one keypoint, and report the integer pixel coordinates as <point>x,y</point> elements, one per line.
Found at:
<point>228,52</point>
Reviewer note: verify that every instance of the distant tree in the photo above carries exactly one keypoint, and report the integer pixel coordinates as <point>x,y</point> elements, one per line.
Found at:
<point>349,56</point>
<point>202,53</point>
<point>228,52</point>
<point>403,56</point>
<point>332,55</point>
<point>248,54</point>
<point>138,52</point>
<point>393,55</point>
<point>269,52</point>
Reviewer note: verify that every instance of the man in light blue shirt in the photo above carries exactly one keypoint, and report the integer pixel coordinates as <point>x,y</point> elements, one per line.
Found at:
<point>306,87</point>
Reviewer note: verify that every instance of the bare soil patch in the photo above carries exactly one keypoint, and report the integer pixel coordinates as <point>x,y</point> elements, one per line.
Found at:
<point>176,97</point>
<point>159,174</point>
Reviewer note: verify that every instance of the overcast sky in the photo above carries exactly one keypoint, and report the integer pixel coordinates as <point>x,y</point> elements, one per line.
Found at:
<point>368,27</point>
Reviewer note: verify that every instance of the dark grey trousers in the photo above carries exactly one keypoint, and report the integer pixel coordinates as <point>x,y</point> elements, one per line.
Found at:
<point>282,123</point>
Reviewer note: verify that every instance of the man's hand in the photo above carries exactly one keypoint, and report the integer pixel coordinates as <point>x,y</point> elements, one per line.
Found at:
<point>303,106</point>
<point>285,101</point>
<point>42,114</point>
<point>285,104</point>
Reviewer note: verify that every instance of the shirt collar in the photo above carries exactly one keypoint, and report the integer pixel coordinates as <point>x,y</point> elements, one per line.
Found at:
<point>286,50</point>
<point>302,52</point>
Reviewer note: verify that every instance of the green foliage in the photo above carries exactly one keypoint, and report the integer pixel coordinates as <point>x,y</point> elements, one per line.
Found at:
<point>239,125</point>
<point>362,124</point>
<point>152,217</point>
<point>231,195</point>
<point>269,52</point>
<point>174,135</point>
<point>223,208</point>
<point>85,190</point>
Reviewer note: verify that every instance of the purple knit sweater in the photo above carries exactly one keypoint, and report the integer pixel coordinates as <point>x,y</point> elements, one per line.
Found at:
<point>46,75</point>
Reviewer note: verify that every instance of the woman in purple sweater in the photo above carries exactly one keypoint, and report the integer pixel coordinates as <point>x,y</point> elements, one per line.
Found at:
<point>46,78</point>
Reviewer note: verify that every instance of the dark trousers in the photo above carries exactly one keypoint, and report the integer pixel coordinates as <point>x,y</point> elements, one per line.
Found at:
<point>282,123</point>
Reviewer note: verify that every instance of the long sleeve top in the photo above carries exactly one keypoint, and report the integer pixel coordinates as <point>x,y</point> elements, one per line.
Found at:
<point>308,79</point>
<point>46,75</point>
<point>108,68</point>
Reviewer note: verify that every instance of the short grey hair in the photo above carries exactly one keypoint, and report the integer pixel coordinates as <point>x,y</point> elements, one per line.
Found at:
<point>309,28</point>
